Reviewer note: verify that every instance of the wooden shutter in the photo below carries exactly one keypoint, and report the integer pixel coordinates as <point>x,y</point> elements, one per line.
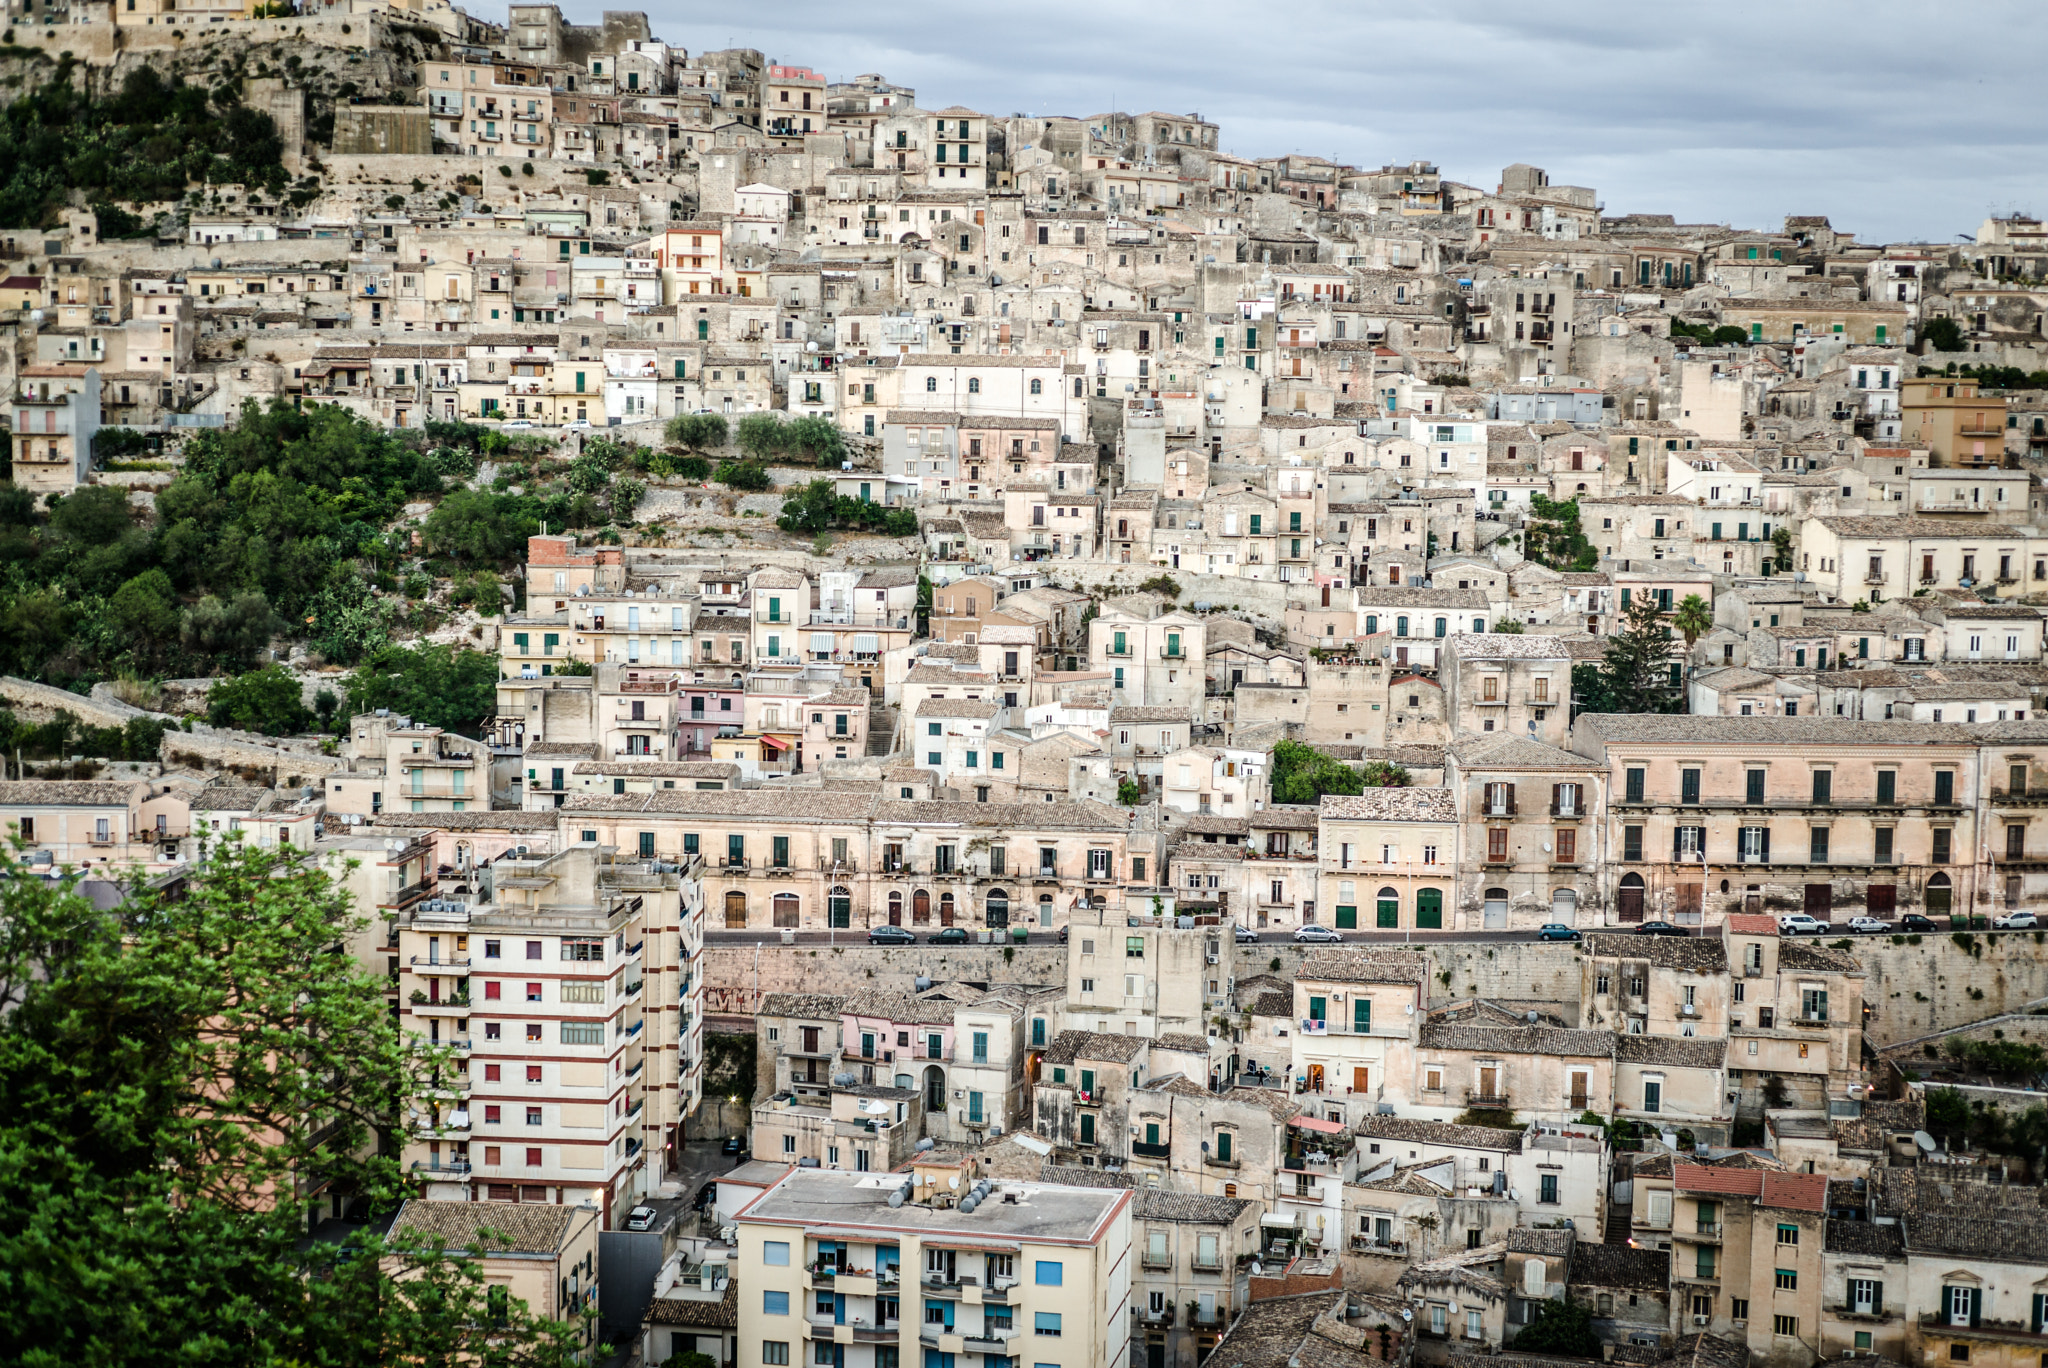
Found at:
<point>1511,800</point>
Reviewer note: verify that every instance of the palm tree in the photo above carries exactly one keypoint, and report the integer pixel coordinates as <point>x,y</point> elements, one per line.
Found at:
<point>1693,619</point>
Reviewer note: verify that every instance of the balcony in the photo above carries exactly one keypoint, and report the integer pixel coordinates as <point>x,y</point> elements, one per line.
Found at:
<point>453,1007</point>
<point>1214,1264</point>
<point>1160,1318</point>
<point>996,1341</point>
<point>458,1168</point>
<point>1483,1100</point>
<point>1706,1232</point>
<point>1143,1150</point>
<point>432,962</point>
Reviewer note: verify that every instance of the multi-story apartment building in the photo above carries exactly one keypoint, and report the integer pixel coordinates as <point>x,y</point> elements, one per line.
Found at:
<point>56,412</point>
<point>987,1267</point>
<point>1184,1288</point>
<point>567,991</point>
<point>1389,858</point>
<point>1746,1249</point>
<point>1712,815</point>
<point>1356,1017</point>
<point>1529,831</point>
<point>81,822</point>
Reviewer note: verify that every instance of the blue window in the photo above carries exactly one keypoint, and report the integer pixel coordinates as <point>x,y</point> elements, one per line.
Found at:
<point>1050,1273</point>
<point>775,1253</point>
<point>1046,1322</point>
<point>775,1303</point>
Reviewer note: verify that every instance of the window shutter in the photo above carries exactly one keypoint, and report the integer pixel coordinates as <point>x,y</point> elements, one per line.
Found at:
<point>1877,1303</point>
<point>1556,797</point>
<point>1511,800</point>
<point>1766,852</point>
<point>1976,1305</point>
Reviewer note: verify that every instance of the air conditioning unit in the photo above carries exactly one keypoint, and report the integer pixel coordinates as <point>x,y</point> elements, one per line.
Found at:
<point>1212,959</point>
<point>1685,1009</point>
<point>1700,1320</point>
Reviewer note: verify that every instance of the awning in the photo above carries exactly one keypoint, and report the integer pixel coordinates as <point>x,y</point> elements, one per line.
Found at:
<point>1288,1220</point>
<point>821,641</point>
<point>867,643</point>
<point>1317,1124</point>
<point>774,743</point>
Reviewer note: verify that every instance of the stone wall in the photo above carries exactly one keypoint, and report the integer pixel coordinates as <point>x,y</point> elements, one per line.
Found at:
<point>42,702</point>
<point>273,765</point>
<point>736,978</point>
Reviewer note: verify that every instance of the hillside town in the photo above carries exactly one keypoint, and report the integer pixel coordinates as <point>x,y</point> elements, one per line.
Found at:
<point>1392,772</point>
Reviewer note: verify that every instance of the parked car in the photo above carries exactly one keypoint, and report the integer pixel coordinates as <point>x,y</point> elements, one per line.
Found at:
<point>2016,921</point>
<point>1246,936</point>
<point>1319,934</point>
<point>1913,921</point>
<point>707,1195</point>
<point>890,935</point>
<point>1661,928</point>
<point>1799,924</point>
<point>1063,935</point>
<point>1868,926</point>
<point>952,935</point>
<point>515,424</point>
<point>641,1218</point>
<point>734,1146</point>
<point>1556,931</point>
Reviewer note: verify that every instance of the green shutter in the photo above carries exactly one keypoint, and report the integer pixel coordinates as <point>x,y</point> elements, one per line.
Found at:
<point>1317,1009</point>
<point>1361,1015</point>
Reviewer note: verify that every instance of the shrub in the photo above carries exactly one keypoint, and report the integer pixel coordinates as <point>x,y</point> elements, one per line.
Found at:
<point>750,476</point>
<point>267,700</point>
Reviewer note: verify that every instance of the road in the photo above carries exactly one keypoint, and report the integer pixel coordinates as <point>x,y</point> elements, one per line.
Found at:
<point>858,937</point>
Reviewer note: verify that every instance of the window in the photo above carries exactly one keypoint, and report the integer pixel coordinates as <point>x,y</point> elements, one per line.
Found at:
<point>775,1352</point>
<point>1548,1190</point>
<point>1050,1272</point>
<point>775,1303</point>
<point>1788,1234</point>
<point>1046,1323</point>
<point>1785,1325</point>
<point>1634,783</point>
<point>775,1253</point>
<point>1787,1280</point>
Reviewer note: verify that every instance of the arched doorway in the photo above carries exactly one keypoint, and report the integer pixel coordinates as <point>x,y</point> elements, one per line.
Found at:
<point>736,910</point>
<point>1045,909</point>
<point>921,907</point>
<point>895,908</point>
<point>1940,901</point>
<point>787,910</point>
<point>1629,900</point>
<point>934,1089</point>
<point>1564,906</point>
<point>1429,909</point>
<point>1387,915</point>
<point>996,908</point>
<point>1496,909</point>
<point>945,909</point>
<point>839,906</point>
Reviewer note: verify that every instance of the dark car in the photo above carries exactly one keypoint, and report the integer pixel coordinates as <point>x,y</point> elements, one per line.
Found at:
<point>890,935</point>
<point>1063,935</point>
<point>1913,921</point>
<point>1556,931</point>
<point>952,935</point>
<point>734,1146</point>
<point>1661,928</point>
<point>706,1196</point>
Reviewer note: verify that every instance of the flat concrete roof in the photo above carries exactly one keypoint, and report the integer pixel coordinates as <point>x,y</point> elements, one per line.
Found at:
<point>854,1202</point>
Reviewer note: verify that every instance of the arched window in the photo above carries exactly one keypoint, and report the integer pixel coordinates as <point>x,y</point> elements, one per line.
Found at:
<point>1389,910</point>
<point>1938,896</point>
<point>1045,909</point>
<point>1429,909</point>
<point>973,385</point>
<point>1038,387</point>
<point>735,909</point>
<point>996,908</point>
<point>839,906</point>
<point>931,384</point>
<point>787,910</point>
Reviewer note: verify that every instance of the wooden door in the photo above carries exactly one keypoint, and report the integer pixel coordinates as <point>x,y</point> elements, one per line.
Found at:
<point>1820,900</point>
<point>1629,900</point>
<point>920,907</point>
<point>1358,1080</point>
<point>1881,900</point>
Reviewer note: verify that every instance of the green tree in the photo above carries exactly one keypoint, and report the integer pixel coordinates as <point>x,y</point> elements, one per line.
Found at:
<point>227,635</point>
<point>623,497</point>
<point>481,527</point>
<point>268,700</point>
<point>1302,774</point>
<point>1693,619</point>
<point>1384,774</point>
<point>746,476</point>
<point>165,1071</point>
<point>1551,535</point>
<point>92,516</point>
<point>819,439</point>
<point>697,430</point>
<point>812,508</point>
<point>1166,586</point>
<point>1559,1327</point>
<point>1637,666</point>
<point>1127,791</point>
<point>1508,626</point>
<point>1781,547</point>
<point>761,436</point>
<point>432,683</point>
<point>145,612</point>
<point>1943,334</point>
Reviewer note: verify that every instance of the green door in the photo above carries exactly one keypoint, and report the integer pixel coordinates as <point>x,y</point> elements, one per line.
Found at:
<point>1389,909</point>
<point>1429,909</point>
<point>1347,918</point>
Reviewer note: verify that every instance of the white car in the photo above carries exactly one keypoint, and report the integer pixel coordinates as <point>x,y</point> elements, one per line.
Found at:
<point>2016,921</point>
<point>1799,924</point>
<point>1868,926</point>
<point>641,1218</point>
<point>577,425</point>
<point>516,423</point>
<point>1320,934</point>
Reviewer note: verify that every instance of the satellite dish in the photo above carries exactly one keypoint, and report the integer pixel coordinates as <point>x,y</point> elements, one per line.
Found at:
<point>1924,1141</point>
<point>954,1182</point>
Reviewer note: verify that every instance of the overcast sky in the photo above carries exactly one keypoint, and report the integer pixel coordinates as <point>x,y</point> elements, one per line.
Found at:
<point>1898,120</point>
